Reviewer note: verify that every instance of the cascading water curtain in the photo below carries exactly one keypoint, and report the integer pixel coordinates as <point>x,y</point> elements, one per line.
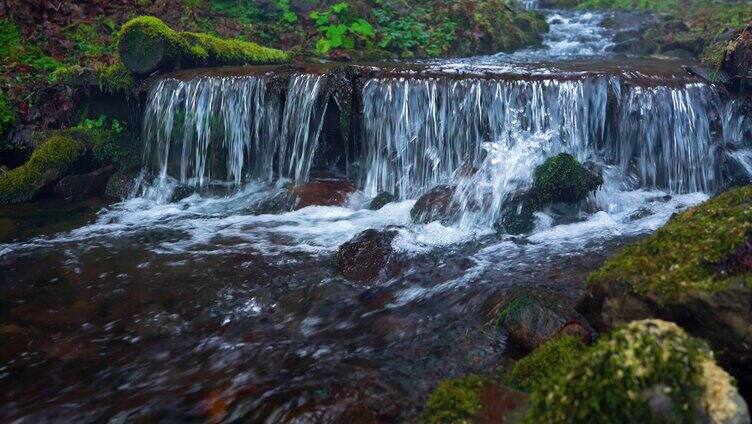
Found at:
<point>228,130</point>
<point>419,133</point>
<point>665,136</point>
<point>211,129</point>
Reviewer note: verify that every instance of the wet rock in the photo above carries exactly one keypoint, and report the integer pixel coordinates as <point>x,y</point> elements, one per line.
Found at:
<point>121,185</point>
<point>531,317</point>
<point>737,61</point>
<point>679,54</point>
<point>627,36</point>
<point>79,187</point>
<point>517,216</point>
<point>283,201</point>
<point>362,259</point>
<point>381,200</point>
<point>639,214</point>
<point>182,192</point>
<point>563,179</point>
<point>436,205</point>
<point>323,192</point>
<point>474,398</point>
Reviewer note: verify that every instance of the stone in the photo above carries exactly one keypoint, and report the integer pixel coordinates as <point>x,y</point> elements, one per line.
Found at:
<point>323,192</point>
<point>436,205</point>
<point>381,200</point>
<point>121,184</point>
<point>532,317</point>
<point>362,259</point>
<point>79,187</point>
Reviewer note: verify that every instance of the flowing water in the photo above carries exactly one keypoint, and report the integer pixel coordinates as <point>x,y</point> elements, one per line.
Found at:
<point>206,306</point>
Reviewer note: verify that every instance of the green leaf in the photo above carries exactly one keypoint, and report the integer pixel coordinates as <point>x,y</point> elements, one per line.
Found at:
<point>348,42</point>
<point>362,27</point>
<point>290,17</point>
<point>323,46</point>
<point>340,7</point>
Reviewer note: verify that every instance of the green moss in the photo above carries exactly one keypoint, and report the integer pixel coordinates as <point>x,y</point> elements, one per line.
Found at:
<point>115,78</point>
<point>563,179</point>
<point>15,48</point>
<point>146,42</point>
<point>544,363</point>
<point>682,256</point>
<point>454,400</point>
<point>7,116</point>
<point>610,382</point>
<point>110,141</point>
<point>230,52</point>
<point>50,160</point>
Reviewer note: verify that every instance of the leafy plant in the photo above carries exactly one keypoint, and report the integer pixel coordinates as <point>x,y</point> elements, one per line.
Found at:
<point>339,28</point>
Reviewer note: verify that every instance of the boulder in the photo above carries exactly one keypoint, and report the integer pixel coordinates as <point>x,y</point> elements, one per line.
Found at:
<point>436,205</point>
<point>563,179</point>
<point>474,398</point>
<point>381,200</point>
<point>694,271</point>
<point>646,371</point>
<point>323,192</point>
<point>79,187</point>
<point>517,214</point>
<point>362,259</point>
<point>532,317</point>
<point>544,363</point>
<point>121,184</point>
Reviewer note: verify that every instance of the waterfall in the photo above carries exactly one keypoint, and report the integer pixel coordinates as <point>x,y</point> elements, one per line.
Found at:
<point>229,130</point>
<point>484,135</point>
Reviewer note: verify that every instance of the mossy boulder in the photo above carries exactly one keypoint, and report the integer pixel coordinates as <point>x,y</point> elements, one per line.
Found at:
<point>648,371</point>
<point>147,44</point>
<point>110,79</point>
<point>563,179</point>
<point>473,399</point>
<point>50,161</point>
<point>696,271</point>
<point>544,363</point>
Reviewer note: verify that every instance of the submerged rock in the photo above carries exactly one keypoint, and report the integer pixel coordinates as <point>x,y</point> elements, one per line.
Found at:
<point>436,205</point>
<point>381,200</point>
<point>79,187</point>
<point>646,371</point>
<point>363,258</point>
<point>694,271</point>
<point>532,317</point>
<point>474,398</point>
<point>324,192</point>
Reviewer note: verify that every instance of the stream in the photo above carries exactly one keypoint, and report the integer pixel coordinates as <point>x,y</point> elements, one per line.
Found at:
<point>206,306</point>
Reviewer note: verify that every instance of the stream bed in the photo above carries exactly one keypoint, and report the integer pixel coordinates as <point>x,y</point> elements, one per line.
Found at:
<point>203,307</point>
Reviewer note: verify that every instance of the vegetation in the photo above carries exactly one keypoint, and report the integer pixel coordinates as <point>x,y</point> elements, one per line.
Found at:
<point>7,116</point>
<point>455,400</point>
<point>47,163</point>
<point>621,378</point>
<point>544,363</point>
<point>700,249</point>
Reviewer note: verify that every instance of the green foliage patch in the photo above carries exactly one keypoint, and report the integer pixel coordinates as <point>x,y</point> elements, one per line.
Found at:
<point>544,363</point>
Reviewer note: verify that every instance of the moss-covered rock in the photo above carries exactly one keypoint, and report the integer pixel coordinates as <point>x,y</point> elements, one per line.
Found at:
<point>694,271</point>
<point>147,44</point>
<point>473,399</point>
<point>110,79</point>
<point>544,363</point>
<point>563,179</point>
<point>48,163</point>
<point>649,371</point>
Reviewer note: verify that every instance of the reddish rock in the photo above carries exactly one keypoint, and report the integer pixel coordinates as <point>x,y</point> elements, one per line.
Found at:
<point>362,259</point>
<point>436,205</point>
<point>501,405</point>
<point>323,193</point>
